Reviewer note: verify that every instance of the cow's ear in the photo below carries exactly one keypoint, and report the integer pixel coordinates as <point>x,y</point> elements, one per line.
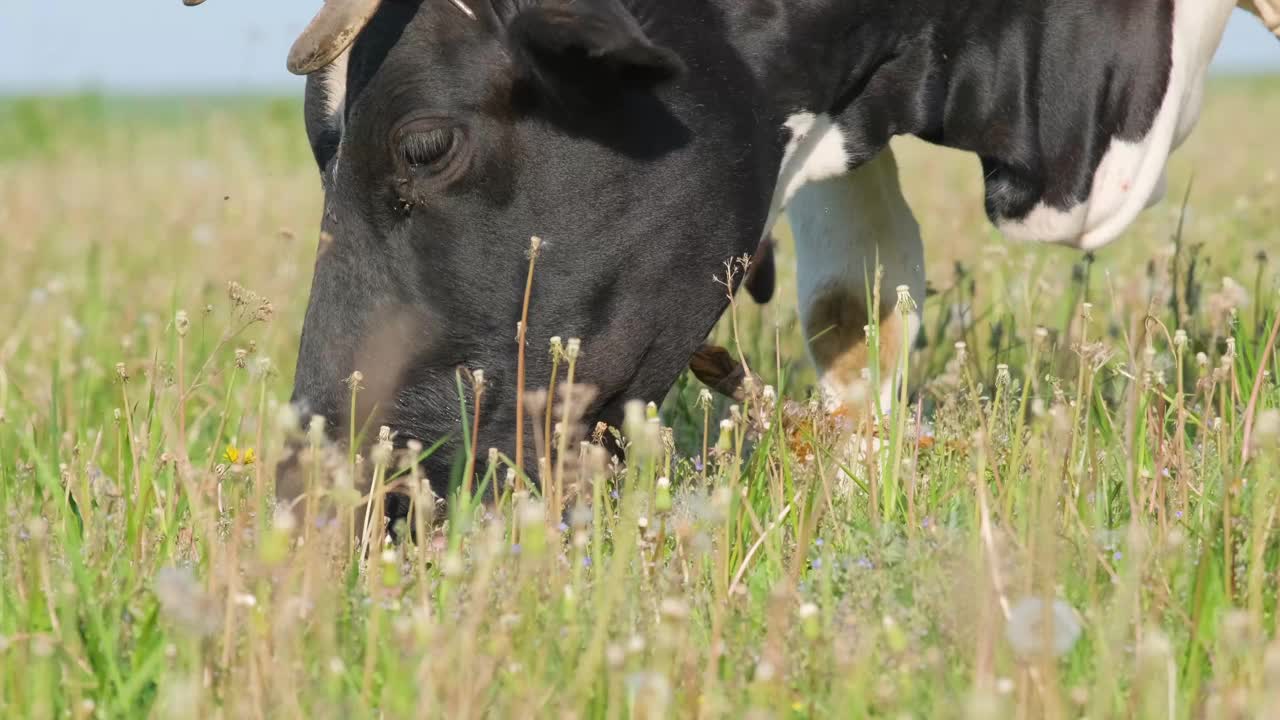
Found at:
<point>595,43</point>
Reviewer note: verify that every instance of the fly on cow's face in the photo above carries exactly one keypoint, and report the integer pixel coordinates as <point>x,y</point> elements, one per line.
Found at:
<point>428,154</point>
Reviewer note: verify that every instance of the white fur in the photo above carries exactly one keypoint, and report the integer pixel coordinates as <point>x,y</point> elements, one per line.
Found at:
<point>844,223</point>
<point>1131,176</point>
<point>815,151</point>
<point>844,226</point>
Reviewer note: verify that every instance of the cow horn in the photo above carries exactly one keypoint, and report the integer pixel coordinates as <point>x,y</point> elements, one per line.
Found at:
<point>333,30</point>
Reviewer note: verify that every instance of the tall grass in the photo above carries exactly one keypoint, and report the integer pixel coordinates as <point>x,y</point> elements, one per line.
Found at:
<point>1073,513</point>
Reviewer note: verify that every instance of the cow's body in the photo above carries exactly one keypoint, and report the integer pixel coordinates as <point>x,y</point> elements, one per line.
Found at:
<point>572,121</point>
<point>1072,107</point>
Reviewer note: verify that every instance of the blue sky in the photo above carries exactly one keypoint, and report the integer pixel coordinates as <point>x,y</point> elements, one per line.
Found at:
<point>149,46</point>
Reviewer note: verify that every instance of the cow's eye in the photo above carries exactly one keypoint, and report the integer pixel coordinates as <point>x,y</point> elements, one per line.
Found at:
<point>427,148</point>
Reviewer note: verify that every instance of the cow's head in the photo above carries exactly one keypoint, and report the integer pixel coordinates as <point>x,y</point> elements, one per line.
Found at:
<point>447,134</point>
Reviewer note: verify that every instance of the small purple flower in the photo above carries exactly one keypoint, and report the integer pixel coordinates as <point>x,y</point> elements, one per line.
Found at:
<point>865,564</point>
<point>925,523</point>
<point>564,527</point>
<point>1178,514</point>
<point>586,561</point>
<point>697,464</point>
<point>816,563</point>
<point>1118,555</point>
<point>818,542</point>
<point>614,495</point>
<point>515,549</point>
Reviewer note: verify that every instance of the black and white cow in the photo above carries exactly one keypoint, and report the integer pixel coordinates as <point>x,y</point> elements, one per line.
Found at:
<point>647,141</point>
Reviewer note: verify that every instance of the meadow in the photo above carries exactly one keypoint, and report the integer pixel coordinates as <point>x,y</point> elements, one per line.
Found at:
<point>1072,513</point>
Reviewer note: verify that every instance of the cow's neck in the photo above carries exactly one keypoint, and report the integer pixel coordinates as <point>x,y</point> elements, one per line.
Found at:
<point>837,57</point>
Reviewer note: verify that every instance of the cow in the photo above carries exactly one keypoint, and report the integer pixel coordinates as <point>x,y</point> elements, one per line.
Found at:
<point>648,141</point>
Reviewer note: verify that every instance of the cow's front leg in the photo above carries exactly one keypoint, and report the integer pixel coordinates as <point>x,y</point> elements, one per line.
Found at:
<point>843,228</point>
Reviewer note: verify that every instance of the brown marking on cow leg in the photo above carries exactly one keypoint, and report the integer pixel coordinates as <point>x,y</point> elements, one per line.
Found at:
<point>835,325</point>
<point>851,231</point>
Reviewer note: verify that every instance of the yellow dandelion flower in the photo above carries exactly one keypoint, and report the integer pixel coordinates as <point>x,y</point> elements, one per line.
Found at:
<point>232,454</point>
<point>249,456</point>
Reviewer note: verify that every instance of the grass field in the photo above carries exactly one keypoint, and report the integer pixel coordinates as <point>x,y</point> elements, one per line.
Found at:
<point>1081,534</point>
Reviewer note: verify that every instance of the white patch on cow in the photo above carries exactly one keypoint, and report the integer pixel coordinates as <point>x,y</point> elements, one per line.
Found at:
<point>1131,176</point>
<point>843,227</point>
<point>815,151</point>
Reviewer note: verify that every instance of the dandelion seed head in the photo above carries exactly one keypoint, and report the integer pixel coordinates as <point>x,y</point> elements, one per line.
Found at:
<point>704,398</point>
<point>183,600</point>
<point>315,430</point>
<point>906,304</point>
<point>674,608</point>
<point>283,520</point>
<point>452,565</point>
<point>1025,634</point>
<point>635,645</point>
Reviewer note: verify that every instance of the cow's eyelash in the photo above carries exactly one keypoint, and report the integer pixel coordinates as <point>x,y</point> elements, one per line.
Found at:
<point>428,147</point>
